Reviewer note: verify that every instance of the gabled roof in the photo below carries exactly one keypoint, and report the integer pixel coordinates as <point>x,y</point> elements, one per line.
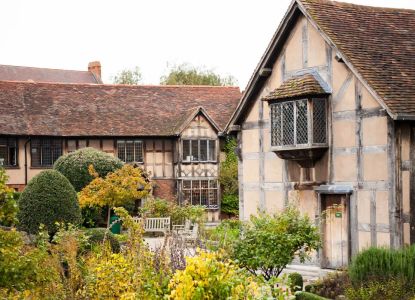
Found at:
<point>377,44</point>
<point>54,109</point>
<point>188,117</point>
<point>297,86</point>
<point>17,73</point>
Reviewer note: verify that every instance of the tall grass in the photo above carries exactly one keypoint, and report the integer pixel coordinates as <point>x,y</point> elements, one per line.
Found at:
<point>383,264</point>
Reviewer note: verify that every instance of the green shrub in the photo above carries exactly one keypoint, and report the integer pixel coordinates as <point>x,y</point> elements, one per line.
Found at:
<point>308,296</point>
<point>48,198</point>
<point>74,166</point>
<point>383,264</point>
<point>224,235</point>
<point>331,286</point>
<point>269,243</point>
<point>296,282</point>
<point>96,236</point>
<point>392,289</point>
<point>8,206</point>
<point>154,208</point>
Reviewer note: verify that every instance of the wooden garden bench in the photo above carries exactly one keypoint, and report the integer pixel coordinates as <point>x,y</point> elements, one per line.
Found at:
<point>155,224</point>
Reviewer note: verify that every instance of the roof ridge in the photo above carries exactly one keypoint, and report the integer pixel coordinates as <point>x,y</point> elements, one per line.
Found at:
<point>349,4</point>
<point>42,68</point>
<point>121,85</point>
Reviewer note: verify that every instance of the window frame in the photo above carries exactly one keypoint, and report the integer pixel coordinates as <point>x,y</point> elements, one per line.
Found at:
<point>198,192</point>
<point>54,143</point>
<point>191,141</point>
<point>310,123</point>
<point>6,163</point>
<point>133,141</point>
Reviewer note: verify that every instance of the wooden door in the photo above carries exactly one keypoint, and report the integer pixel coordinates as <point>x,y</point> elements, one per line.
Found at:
<point>335,227</point>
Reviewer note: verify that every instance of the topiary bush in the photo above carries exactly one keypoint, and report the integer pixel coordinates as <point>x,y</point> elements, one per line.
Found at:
<point>48,198</point>
<point>308,296</point>
<point>74,166</point>
<point>96,236</point>
<point>296,282</point>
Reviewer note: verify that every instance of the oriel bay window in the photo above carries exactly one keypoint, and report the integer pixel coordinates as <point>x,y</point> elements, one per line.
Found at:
<point>200,192</point>
<point>8,152</point>
<point>130,150</point>
<point>299,123</point>
<point>45,151</point>
<point>199,150</point>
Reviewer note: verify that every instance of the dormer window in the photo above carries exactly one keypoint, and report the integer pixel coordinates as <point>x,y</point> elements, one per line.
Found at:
<point>298,123</point>
<point>299,119</point>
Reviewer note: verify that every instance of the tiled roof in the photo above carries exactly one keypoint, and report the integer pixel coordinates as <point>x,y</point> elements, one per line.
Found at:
<point>378,42</point>
<point>17,73</point>
<point>297,86</point>
<point>107,110</point>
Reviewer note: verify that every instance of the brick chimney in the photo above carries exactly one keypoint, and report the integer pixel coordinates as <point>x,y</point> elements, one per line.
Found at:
<point>95,68</point>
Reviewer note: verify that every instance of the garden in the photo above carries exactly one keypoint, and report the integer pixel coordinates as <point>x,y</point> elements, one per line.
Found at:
<point>59,239</point>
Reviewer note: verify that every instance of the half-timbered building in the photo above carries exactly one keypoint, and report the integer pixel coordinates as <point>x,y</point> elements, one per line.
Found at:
<point>327,121</point>
<point>174,132</point>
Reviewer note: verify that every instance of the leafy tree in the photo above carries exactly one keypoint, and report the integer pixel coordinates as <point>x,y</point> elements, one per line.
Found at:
<point>128,76</point>
<point>228,178</point>
<point>74,166</point>
<point>8,206</point>
<point>269,243</point>
<point>118,188</point>
<point>186,74</point>
<point>47,199</point>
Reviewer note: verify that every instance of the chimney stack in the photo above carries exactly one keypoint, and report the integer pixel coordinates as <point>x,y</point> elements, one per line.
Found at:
<point>95,68</point>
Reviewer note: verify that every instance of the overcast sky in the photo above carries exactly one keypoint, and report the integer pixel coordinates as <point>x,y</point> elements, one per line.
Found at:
<point>228,36</point>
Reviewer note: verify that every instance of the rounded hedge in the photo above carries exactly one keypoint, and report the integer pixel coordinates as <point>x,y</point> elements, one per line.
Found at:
<point>74,166</point>
<point>48,198</point>
<point>96,236</point>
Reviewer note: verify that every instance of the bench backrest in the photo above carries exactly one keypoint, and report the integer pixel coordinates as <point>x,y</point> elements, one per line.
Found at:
<point>155,224</point>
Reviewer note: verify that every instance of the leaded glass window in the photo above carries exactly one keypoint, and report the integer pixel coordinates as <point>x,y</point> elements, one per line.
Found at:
<point>130,150</point>
<point>199,150</point>
<point>200,192</point>
<point>8,152</point>
<point>45,151</point>
<point>298,123</point>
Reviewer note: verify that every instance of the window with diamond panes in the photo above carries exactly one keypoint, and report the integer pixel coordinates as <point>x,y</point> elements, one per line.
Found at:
<point>200,192</point>
<point>44,152</point>
<point>8,152</point>
<point>319,121</point>
<point>291,122</point>
<point>130,150</point>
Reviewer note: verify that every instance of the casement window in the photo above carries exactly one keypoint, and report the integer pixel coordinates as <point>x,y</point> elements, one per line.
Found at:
<point>201,150</point>
<point>8,152</point>
<point>74,145</point>
<point>299,123</point>
<point>130,150</point>
<point>200,192</point>
<point>45,151</point>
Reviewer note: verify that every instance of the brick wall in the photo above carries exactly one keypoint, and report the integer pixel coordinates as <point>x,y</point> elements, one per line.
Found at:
<point>164,188</point>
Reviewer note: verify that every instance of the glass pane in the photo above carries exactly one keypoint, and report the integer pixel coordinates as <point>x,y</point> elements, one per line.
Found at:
<point>319,121</point>
<point>3,154</point>
<point>35,152</point>
<point>138,151</point>
<point>195,150</point>
<point>212,150</point>
<point>129,151</point>
<point>203,150</point>
<point>187,184</point>
<point>288,123</point>
<point>302,122</point>
<point>186,150</point>
<point>121,150</point>
<point>56,150</point>
<point>276,125</point>
<point>12,159</point>
<point>46,159</point>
